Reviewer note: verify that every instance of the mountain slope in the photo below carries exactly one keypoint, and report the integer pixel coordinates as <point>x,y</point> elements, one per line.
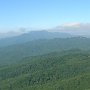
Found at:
<point>68,70</point>
<point>15,53</point>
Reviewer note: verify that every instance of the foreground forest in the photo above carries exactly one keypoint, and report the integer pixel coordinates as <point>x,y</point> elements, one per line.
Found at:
<point>66,70</point>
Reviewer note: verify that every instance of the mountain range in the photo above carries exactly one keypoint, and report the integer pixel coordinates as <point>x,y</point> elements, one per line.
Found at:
<point>30,36</point>
<point>44,60</point>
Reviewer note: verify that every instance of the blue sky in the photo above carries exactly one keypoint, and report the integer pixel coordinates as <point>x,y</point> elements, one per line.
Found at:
<point>42,13</point>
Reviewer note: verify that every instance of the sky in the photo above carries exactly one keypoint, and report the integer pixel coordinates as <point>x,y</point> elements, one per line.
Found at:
<point>42,14</point>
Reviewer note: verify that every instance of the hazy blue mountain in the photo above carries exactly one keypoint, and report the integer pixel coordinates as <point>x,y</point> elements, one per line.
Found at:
<point>16,52</point>
<point>34,35</point>
<point>9,34</point>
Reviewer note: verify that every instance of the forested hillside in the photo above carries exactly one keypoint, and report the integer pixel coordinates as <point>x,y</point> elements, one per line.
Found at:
<point>44,45</point>
<point>15,53</point>
<point>66,70</point>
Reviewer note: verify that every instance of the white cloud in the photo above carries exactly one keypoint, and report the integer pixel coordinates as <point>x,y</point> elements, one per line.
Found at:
<point>71,25</point>
<point>74,28</point>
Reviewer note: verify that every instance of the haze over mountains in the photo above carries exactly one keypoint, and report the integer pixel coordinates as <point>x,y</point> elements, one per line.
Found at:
<point>64,31</point>
<point>9,34</point>
<point>81,29</point>
<point>45,41</point>
<point>45,60</point>
<point>34,35</point>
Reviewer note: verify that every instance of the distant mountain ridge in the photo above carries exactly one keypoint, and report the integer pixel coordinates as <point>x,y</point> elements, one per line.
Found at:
<point>33,35</point>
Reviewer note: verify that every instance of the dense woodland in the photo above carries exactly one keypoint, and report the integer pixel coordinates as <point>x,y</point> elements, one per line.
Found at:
<point>66,70</point>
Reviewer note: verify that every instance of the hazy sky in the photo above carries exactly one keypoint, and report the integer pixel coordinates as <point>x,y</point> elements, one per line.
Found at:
<point>42,13</point>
